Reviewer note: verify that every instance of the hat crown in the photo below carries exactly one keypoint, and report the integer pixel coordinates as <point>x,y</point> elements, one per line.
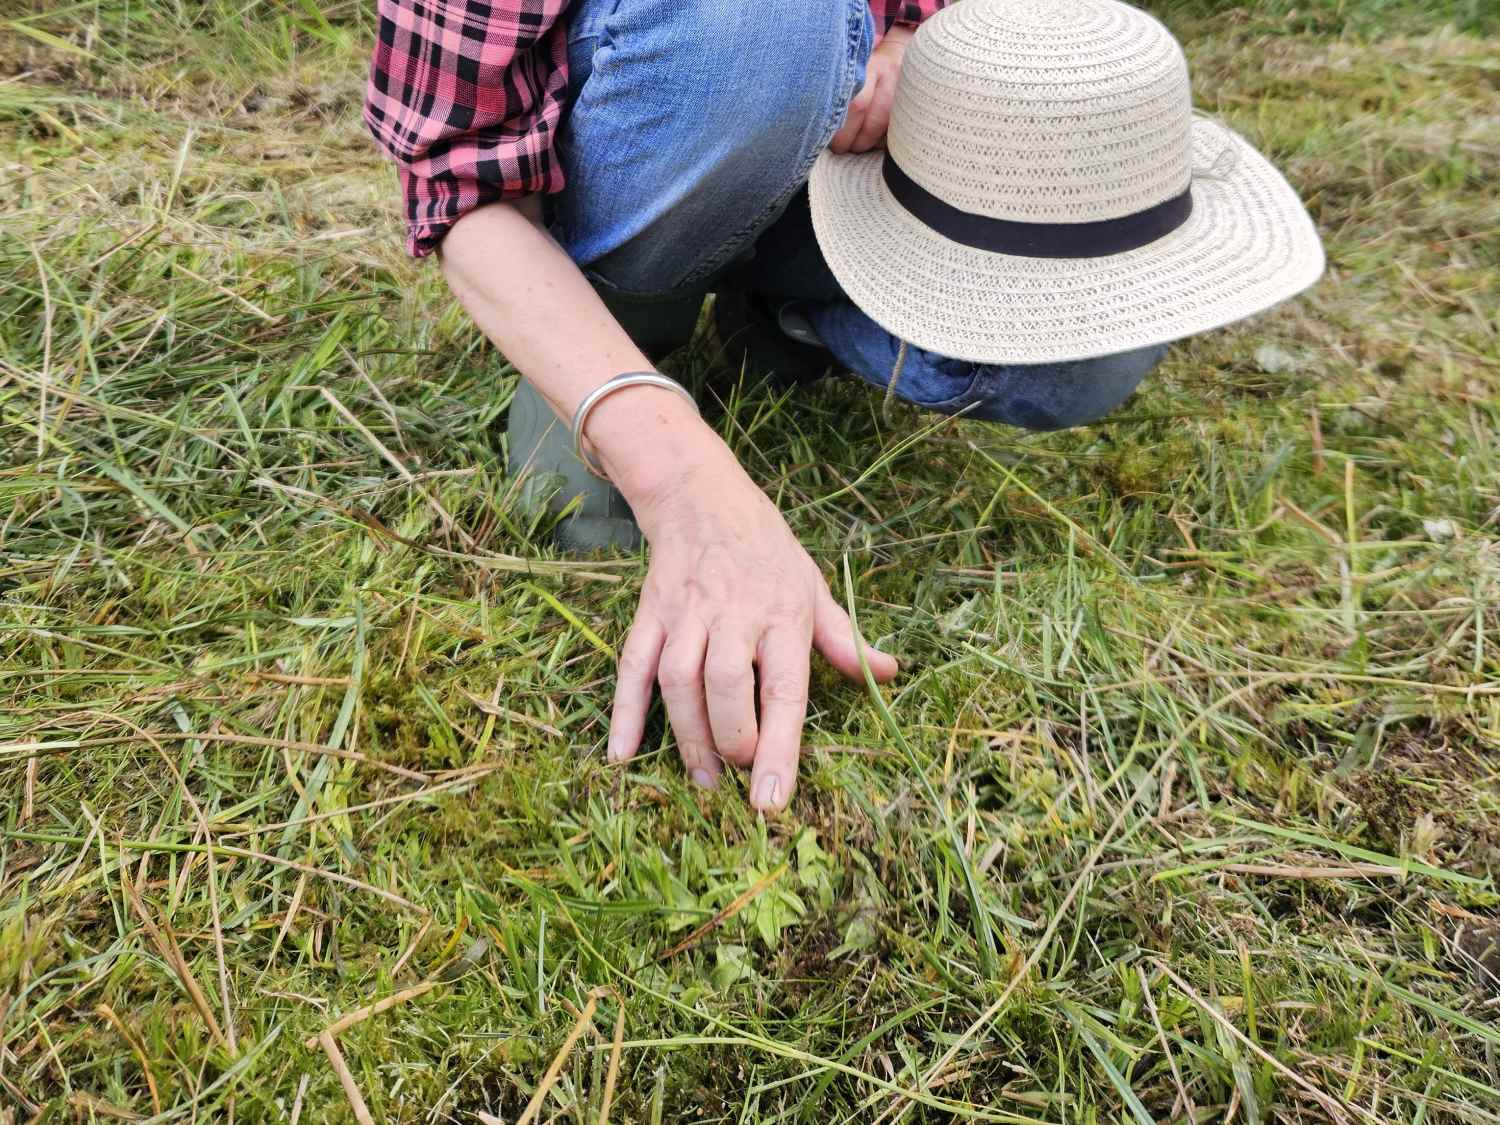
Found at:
<point>1045,111</point>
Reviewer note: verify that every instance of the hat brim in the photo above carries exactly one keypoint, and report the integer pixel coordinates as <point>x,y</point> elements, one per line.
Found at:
<point>1248,245</point>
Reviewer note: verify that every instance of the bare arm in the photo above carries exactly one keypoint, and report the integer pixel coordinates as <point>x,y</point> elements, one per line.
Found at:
<point>731,600</point>
<point>541,312</point>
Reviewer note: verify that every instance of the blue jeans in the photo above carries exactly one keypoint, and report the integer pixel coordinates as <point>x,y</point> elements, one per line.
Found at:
<point>690,135</point>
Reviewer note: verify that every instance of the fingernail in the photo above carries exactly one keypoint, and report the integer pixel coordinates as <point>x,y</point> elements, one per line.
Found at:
<point>766,791</point>
<point>703,778</point>
<point>614,751</point>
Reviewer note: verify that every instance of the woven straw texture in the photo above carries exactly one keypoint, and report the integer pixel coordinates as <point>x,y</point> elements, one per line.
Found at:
<point>1058,111</point>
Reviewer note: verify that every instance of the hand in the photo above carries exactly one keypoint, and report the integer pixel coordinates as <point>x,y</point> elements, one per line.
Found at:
<point>731,597</point>
<point>870,111</point>
<point>731,602</point>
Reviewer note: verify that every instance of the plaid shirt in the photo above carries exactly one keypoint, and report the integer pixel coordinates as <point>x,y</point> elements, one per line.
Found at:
<point>466,96</point>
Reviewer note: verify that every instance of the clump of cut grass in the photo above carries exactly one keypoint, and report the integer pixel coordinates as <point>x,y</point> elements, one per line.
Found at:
<point>302,719</point>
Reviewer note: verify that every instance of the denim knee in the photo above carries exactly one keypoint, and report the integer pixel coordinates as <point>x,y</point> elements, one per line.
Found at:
<point>692,125</point>
<point>742,82</point>
<point>1057,396</point>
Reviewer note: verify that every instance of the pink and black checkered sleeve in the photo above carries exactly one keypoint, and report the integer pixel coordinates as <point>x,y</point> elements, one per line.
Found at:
<point>466,97</point>
<point>889,12</point>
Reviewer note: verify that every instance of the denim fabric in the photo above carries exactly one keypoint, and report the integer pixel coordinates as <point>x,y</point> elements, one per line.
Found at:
<point>1036,396</point>
<point>693,124</point>
<point>689,138</point>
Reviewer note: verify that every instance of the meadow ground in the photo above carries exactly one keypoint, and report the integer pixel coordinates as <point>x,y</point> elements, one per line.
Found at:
<point>1185,807</point>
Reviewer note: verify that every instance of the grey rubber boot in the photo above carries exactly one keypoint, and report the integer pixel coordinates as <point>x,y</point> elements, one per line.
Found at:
<point>770,338</point>
<point>540,453</point>
<point>539,447</point>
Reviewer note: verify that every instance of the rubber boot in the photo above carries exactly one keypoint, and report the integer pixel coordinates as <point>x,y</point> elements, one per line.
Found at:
<point>539,451</point>
<point>539,447</point>
<point>769,338</point>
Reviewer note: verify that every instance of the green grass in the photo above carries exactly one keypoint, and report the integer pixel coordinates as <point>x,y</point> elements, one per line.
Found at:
<point>1206,701</point>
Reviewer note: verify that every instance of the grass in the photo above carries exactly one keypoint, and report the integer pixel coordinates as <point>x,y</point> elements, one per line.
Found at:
<point>1184,809</point>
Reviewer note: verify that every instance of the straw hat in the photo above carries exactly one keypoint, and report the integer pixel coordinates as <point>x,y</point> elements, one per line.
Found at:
<point>1048,194</point>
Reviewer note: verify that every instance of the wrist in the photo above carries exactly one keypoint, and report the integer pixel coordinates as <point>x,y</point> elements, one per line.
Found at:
<point>899,34</point>
<point>652,445</point>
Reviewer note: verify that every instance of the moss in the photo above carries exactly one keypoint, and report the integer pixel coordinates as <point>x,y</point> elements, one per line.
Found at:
<point>1081,616</point>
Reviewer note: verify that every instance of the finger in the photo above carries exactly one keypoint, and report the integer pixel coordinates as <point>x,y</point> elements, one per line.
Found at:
<point>873,129</point>
<point>843,140</point>
<point>783,662</point>
<point>845,136</point>
<point>634,675</point>
<point>866,92</point>
<point>680,673</point>
<point>833,636</point>
<point>729,688</point>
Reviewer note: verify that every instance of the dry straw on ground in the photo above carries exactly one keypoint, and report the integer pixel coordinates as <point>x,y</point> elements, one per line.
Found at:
<point>295,707</point>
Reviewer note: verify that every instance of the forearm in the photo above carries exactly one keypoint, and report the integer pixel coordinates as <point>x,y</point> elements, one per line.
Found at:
<point>731,603</point>
<point>528,297</point>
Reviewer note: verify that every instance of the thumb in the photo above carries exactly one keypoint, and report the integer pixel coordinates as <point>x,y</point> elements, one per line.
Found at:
<point>866,93</point>
<point>833,636</point>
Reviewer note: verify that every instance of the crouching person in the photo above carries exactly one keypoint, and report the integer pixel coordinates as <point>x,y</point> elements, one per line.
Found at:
<point>1008,211</point>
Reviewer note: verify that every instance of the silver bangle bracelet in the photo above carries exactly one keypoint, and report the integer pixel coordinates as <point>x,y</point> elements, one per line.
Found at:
<point>603,391</point>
